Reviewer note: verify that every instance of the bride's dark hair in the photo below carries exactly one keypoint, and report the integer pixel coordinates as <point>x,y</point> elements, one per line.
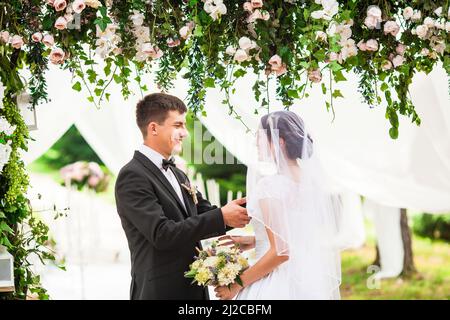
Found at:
<point>291,129</point>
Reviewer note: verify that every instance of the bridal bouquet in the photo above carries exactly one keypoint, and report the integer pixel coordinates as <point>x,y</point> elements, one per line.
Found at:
<point>217,266</point>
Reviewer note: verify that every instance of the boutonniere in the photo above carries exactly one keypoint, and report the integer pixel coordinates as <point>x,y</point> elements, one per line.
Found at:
<point>192,190</point>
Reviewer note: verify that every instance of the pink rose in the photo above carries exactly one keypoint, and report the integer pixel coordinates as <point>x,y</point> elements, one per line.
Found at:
<point>398,61</point>
<point>334,56</point>
<point>314,75</point>
<point>61,23</point>
<point>50,2</point>
<point>17,42</point>
<point>60,5</point>
<point>248,6</point>
<point>387,65</point>
<point>93,181</point>
<point>254,16</point>
<point>4,36</point>
<point>371,22</point>
<point>173,43</point>
<point>37,37</point>
<point>57,56</point>
<point>275,62</point>
<point>48,40</point>
<point>281,70</point>
<point>68,17</point>
<point>362,46</point>
<point>78,6</point>
<point>372,45</point>
<point>391,27</point>
<point>185,32</point>
<point>95,169</point>
<point>256,3</point>
<point>401,48</point>
<point>151,51</point>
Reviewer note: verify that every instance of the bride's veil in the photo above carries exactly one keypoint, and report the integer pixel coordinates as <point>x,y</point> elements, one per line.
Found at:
<point>288,192</point>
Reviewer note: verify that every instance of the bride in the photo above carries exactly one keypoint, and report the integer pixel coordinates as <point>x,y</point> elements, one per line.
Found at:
<point>295,218</point>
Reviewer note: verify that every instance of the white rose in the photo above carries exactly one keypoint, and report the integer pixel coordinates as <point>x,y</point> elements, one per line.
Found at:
<point>408,13</point>
<point>93,3</point>
<point>374,11</point>
<point>4,36</point>
<point>416,16</point>
<point>372,22</point>
<point>425,52</point>
<point>422,31</point>
<point>185,32</point>
<point>429,22</point>
<point>240,55</point>
<point>17,42</point>
<point>391,27</point>
<point>230,50</point>
<point>322,36</point>
<point>317,14</point>
<point>245,43</point>
<point>137,18</point>
<point>438,11</point>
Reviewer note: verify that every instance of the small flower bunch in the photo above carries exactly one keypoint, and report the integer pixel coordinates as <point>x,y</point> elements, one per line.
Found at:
<point>217,266</point>
<point>82,173</point>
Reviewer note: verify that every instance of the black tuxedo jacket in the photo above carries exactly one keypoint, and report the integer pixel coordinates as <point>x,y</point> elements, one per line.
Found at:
<point>161,234</point>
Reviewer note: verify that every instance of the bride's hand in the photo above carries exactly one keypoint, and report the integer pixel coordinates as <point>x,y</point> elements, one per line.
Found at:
<point>225,293</point>
<point>244,242</point>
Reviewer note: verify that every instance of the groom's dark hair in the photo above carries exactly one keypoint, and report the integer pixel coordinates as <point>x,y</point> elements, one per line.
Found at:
<point>155,107</point>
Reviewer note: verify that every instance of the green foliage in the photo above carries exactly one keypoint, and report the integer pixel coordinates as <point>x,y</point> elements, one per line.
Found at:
<point>70,148</point>
<point>228,176</point>
<point>433,226</point>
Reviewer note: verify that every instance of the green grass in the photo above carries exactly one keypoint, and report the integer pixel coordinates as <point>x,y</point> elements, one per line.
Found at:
<point>432,260</point>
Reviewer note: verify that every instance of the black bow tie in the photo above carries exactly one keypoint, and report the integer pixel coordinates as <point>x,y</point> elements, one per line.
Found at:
<point>167,163</point>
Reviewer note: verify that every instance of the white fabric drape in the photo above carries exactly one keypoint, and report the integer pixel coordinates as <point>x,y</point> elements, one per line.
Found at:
<point>110,130</point>
<point>410,172</point>
<point>389,238</point>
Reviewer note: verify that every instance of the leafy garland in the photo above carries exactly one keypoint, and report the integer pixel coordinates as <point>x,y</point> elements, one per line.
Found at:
<point>292,43</point>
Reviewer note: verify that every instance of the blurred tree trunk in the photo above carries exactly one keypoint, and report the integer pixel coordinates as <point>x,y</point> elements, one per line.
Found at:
<point>408,260</point>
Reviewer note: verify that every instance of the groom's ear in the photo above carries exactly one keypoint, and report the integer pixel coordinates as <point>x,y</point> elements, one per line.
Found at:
<point>151,129</point>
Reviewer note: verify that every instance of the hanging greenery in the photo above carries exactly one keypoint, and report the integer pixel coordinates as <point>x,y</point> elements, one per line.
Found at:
<point>295,44</point>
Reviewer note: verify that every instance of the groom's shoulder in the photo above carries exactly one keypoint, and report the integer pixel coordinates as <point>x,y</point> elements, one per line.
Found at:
<point>133,166</point>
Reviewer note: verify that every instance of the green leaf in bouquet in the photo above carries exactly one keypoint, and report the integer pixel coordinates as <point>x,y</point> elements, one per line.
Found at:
<point>190,274</point>
<point>239,281</point>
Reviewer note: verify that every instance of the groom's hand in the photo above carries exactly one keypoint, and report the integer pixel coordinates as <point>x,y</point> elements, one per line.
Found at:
<point>234,215</point>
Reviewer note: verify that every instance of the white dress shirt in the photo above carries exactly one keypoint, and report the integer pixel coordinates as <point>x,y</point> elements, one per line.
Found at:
<point>157,159</point>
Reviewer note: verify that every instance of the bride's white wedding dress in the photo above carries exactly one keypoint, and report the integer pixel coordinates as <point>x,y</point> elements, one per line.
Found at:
<point>276,284</point>
<point>288,194</point>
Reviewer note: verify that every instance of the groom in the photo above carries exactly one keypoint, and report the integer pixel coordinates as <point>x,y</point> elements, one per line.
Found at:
<point>162,218</point>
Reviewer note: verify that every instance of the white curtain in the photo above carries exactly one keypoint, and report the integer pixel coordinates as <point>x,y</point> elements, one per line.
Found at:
<point>410,172</point>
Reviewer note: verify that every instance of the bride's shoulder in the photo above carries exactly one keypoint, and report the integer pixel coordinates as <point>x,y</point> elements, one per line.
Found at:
<point>271,186</point>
